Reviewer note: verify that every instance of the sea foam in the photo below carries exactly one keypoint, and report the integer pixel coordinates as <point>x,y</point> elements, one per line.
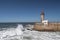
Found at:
<point>18,34</point>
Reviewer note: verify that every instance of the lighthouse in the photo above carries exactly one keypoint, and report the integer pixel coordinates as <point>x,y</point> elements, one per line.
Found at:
<point>42,16</point>
<point>43,21</point>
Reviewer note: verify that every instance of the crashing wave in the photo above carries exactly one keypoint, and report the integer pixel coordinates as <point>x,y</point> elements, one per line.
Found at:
<point>18,34</point>
<point>17,31</point>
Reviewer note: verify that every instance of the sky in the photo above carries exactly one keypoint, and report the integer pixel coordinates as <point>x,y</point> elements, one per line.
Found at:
<point>29,10</point>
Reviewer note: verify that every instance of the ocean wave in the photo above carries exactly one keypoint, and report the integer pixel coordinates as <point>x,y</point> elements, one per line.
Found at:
<point>18,34</point>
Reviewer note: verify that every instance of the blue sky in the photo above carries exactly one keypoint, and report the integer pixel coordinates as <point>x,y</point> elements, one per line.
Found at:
<point>29,10</point>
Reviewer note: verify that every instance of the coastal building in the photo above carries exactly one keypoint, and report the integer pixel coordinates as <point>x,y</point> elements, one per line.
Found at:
<point>45,25</point>
<point>43,21</point>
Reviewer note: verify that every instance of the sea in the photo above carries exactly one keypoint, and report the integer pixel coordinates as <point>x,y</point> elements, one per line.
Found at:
<point>19,31</point>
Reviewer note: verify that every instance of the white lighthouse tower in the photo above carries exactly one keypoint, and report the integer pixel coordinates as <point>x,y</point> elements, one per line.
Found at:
<point>43,21</point>
<point>42,16</point>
